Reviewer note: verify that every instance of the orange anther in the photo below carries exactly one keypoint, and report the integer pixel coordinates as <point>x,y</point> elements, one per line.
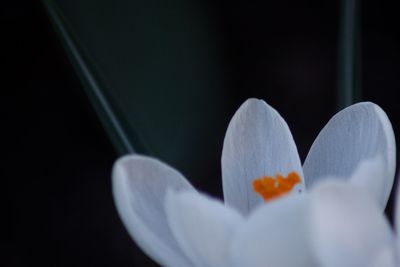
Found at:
<point>272,187</point>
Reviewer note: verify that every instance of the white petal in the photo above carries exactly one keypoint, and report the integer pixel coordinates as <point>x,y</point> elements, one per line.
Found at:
<point>361,131</point>
<point>386,258</point>
<point>276,235</point>
<point>370,175</point>
<point>397,214</point>
<point>349,229</point>
<point>257,143</point>
<point>139,189</point>
<point>202,226</point>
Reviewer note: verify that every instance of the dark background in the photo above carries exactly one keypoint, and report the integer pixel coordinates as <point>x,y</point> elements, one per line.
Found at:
<point>56,173</point>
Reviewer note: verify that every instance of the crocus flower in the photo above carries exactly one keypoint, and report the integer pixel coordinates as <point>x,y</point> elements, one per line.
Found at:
<point>178,226</point>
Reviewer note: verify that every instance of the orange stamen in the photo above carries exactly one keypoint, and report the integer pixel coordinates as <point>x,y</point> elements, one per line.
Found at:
<point>272,187</point>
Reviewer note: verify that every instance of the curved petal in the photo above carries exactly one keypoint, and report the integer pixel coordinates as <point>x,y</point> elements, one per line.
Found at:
<point>202,226</point>
<point>257,143</point>
<point>275,235</point>
<point>361,131</point>
<point>397,214</point>
<point>139,188</point>
<point>349,229</point>
<point>366,176</point>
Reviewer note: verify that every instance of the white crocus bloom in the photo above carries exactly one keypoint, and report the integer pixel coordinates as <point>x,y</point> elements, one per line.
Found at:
<point>179,227</point>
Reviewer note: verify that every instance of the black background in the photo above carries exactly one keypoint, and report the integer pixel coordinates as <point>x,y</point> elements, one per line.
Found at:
<point>56,173</point>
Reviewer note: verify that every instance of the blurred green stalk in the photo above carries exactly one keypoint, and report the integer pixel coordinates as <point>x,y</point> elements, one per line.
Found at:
<point>349,63</point>
<point>92,85</point>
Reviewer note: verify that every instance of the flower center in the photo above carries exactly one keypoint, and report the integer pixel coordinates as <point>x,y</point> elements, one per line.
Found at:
<point>272,187</point>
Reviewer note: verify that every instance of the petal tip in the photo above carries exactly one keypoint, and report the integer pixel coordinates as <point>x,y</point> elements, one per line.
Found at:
<point>255,102</point>
<point>120,166</point>
<point>131,160</point>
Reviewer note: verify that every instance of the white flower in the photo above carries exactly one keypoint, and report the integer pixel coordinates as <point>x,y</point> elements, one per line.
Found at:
<point>177,226</point>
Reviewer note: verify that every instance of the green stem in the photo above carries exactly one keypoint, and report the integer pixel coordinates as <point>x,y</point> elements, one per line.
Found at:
<point>349,63</point>
<point>94,88</point>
